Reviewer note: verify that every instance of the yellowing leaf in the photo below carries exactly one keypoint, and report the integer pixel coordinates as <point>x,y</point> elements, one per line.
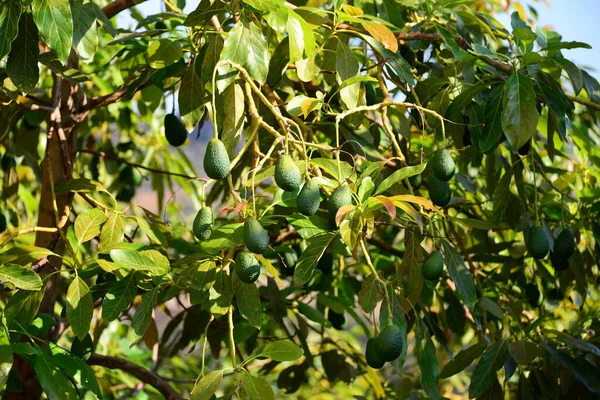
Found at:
<point>382,34</point>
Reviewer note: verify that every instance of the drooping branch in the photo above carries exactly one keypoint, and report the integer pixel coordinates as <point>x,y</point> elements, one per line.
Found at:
<point>139,372</point>
<point>117,6</point>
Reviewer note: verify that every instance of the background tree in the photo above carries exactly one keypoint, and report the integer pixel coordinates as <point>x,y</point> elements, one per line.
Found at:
<point>401,201</point>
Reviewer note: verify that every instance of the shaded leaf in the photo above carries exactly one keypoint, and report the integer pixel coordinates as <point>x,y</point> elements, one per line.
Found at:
<point>142,317</point>
<point>428,364</point>
<point>308,260</point>
<point>22,63</point>
<point>370,293</point>
<point>9,21</point>
<point>248,301</point>
<point>256,388</point>
<point>463,359</point>
<point>119,297</point>
<point>280,350</point>
<point>484,374</point>
<point>519,116</point>
<point>460,275</point>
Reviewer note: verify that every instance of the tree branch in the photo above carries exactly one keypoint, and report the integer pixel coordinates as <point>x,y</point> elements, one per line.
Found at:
<point>139,372</point>
<point>119,5</point>
<point>585,102</point>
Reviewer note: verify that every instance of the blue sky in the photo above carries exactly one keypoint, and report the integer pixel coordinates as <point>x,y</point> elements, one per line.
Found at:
<point>575,20</point>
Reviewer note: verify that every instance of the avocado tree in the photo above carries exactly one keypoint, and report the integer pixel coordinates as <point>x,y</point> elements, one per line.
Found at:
<point>394,198</point>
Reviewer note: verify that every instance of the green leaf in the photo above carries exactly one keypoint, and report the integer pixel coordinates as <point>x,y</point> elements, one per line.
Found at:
<point>153,231</point>
<point>492,131</point>
<point>248,301</point>
<point>80,307</point>
<point>567,46</point>
<point>230,114</point>
<point>149,260</point>
<point>119,297</point>
<point>22,308</point>
<point>346,63</point>
<point>574,73</point>
<point>54,20</point>
<point>484,374</point>
<point>142,317</point>
<point>280,350</point>
<point>524,352</point>
<point>54,381</point>
<point>6,354</point>
<point>76,368</point>
<point>400,175</point>
<point>9,25</point>
<point>247,46</point>
<point>87,224</point>
<point>310,257</point>
<point>584,371</point>
<point>257,388</point>
<point>301,37</point>
<point>85,34</point>
<point>462,360</point>
<point>207,386</point>
<point>112,232</point>
<point>191,91</point>
<point>313,314</point>
<point>201,278</point>
<point>410,269</point>
<point>221,294</point>
<point>308,227</point>
<point>163,52</point>
<point>491,307</point>
<point>370,293</point>
<point>22,278</point>
<point>460,275</point>
<point>23,255</point>
<point>203,13</point>
<point>520,116</point>
<point>22,63</point>
<point>265,5</point>
<point>428,363</point>
<point>225,237</point>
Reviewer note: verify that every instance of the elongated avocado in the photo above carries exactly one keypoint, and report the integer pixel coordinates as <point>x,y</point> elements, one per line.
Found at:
<point>309,198</point>
<point>216,160</point>
<point>433,266</point>
<point>373,359</point>
<point>247,267</point>
<point>203,223</point>
<point>389,343</point>
<point>341,196</point>
<point>287,174</point>
<point>439,191</point>
<point>175,131</point>
<point>256,237</point>
<point>443,165</point>
<point>564,245</point>
<point>537,242</point>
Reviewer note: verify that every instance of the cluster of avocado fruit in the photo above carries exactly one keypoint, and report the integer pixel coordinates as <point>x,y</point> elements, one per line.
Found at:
<point>385,347</point>
<point>538,246</point>
<point>443,167</point>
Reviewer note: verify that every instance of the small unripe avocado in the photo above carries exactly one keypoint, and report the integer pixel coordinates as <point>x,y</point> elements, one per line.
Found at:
<point>373,359</point>
<point>433,266</point>
<point>247,267</point>
<point>203,223</point>
<point>341,196</point>
<point>533,294</point>
<point>216,160</point>
<point>3,223</point>
<point>309,198</point>
<point>126,193</point>
<point>564,245</point>
<point>370,94</point>
<point>389,343</point>
<point>415,180</point>
<point>175,131</point>
<point>130,176</point>
<point>443,165</point>
<point>537,242</point>
<point>439,191</point>
<point>255,236</point>
<point>287,174</point>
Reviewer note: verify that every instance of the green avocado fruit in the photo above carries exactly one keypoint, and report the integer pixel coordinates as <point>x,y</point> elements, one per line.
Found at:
<point>415,180</point>
<point>439,191</point>
<point>216,160</point>
<point>203,224</point>
<point>255,236</point>
<point>341,196</point>
<point>287,174</point>
<point>564,245</point>
<point>130,176</point>
<point>443,165</point>
<point>309,198</point>
<point>373,359</point>
<point>537,242</point>
<point>338,321</point>
<point>3,223</point>
<point>389,343</point>
<point>175,131</point>
<point>247,267</point>
<point>433,266</point>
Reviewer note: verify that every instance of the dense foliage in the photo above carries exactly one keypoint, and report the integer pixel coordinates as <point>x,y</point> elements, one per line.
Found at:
<point>401,200</point>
